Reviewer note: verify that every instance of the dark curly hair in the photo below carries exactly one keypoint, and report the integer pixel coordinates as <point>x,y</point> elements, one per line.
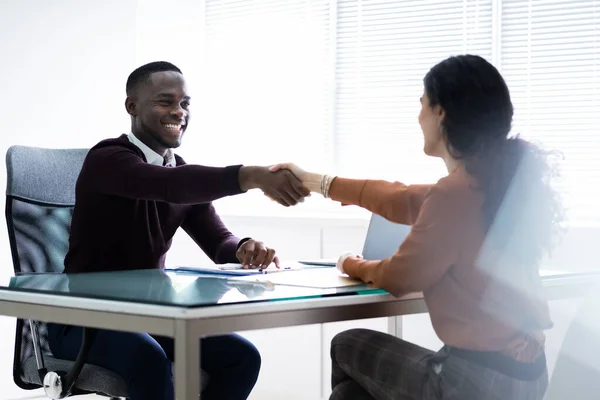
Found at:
<point>522,212</point>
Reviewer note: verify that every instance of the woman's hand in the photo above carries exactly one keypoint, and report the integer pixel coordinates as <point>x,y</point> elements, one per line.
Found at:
<point>310,180</point>
<point>340,263</point>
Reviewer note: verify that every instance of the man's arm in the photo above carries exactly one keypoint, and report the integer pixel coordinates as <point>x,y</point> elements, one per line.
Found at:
<point>209,232</point>
<point>119,171</point>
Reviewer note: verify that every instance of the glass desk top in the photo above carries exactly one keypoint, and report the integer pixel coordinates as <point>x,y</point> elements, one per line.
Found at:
<point>190,289</point>
<point>170,288</point>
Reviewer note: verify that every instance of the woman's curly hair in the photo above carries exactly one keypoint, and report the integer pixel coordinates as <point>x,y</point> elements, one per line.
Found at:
<point>520,204</point>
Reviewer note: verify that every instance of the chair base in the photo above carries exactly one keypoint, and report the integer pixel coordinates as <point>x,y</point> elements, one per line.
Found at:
<point>111,384</point>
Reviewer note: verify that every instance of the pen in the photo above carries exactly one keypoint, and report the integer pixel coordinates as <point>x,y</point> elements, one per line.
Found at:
<point>264,271</point>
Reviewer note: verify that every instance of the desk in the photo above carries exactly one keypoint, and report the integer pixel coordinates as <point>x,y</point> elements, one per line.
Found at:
<point>189,306</point>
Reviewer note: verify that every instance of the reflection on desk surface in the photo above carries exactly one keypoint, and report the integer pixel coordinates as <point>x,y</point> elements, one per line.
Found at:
<point>169,288</point>
<point>182,289</point>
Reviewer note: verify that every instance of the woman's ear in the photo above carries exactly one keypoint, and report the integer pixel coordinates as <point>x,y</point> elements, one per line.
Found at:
<point>441,114</point>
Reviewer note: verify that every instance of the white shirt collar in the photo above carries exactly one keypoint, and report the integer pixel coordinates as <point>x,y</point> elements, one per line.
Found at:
<point>152,157</point>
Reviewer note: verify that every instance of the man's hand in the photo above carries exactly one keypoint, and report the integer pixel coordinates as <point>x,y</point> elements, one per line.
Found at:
<point>296,170</point>
<point>310,180</point>
<point>254,254</point>
<point>282,186</point>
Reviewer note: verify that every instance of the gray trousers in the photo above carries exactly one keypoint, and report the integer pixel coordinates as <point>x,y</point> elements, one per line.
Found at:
<point>370,365</point>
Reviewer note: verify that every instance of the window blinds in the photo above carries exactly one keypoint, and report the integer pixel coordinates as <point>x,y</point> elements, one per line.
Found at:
<point>384,49</point>
<point>550,57</point>
<point>335,84</point>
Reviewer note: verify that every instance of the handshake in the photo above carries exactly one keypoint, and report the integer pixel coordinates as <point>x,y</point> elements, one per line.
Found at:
<point>285,183</point>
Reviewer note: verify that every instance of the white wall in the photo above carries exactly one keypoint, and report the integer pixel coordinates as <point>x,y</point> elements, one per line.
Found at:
<point>63,78</point>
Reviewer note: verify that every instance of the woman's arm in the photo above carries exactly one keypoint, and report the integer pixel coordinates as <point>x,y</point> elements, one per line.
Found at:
<point>432,247</point>
<point>394,201</point>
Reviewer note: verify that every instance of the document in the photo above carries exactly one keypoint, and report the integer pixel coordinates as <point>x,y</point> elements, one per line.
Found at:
<point>324,278</point>
<point>236,269</point>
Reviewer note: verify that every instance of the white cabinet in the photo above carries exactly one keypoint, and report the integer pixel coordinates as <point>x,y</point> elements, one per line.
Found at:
<point>291,363</point>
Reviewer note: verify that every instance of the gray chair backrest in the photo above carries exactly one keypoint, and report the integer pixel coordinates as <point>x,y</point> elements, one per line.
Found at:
<point>40,196</point>
<point>576,373</point>
<point>43,175</point>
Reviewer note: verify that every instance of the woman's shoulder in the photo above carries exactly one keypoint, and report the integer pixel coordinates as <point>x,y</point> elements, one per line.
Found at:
<point>457,183</point>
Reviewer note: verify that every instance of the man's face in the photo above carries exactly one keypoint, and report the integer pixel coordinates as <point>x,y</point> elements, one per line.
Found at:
<point>160,111</point>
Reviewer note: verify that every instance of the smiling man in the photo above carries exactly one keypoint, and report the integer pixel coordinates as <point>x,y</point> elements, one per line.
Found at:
<point>132,195</point>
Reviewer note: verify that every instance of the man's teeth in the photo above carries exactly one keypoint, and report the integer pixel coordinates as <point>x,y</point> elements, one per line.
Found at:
<point>172,127</point>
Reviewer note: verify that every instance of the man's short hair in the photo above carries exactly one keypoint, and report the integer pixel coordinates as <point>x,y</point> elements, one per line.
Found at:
<point>142,74</point>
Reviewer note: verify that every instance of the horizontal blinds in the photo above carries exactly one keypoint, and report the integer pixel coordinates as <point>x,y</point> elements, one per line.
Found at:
<point>384,49</point>
<point>550,57</point>
<point>336,83</point>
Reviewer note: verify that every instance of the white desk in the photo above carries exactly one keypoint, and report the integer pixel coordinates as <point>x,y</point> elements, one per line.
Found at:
<point>187,307</point>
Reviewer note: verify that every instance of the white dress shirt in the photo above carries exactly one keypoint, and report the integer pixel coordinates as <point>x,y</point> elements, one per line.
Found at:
<point>153,157</point>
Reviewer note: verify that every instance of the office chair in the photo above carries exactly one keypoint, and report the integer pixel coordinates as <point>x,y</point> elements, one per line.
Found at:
<point>577,370</point>
<point>40,196</point>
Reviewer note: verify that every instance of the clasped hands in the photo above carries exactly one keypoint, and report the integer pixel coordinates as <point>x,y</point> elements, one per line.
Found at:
<point>288,184</point>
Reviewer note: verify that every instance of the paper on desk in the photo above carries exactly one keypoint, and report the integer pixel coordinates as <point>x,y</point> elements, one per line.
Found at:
<point>314,277</point>
<point>236,269</point>
<point>217,270</point>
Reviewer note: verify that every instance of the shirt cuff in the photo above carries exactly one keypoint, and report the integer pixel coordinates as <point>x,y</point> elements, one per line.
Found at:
<point>241,242</point>
<point>359,268</point>
<point>232,180</point>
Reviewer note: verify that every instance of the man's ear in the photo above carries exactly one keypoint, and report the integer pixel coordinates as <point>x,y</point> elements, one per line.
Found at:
<point>130,106</point>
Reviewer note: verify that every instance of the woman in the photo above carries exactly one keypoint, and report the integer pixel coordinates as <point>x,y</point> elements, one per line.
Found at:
<point>475,246</point>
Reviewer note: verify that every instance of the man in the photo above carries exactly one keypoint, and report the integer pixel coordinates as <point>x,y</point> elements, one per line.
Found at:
<point>132,194</point>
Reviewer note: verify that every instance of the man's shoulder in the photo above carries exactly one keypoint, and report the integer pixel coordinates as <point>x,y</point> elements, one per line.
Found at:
<point>115,143</point>
<point>106,149</point>
<point>106,152</point>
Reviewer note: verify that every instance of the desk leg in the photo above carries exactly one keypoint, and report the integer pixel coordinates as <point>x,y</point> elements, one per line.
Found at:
<point>187,362</point>
<point>395,326</point>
